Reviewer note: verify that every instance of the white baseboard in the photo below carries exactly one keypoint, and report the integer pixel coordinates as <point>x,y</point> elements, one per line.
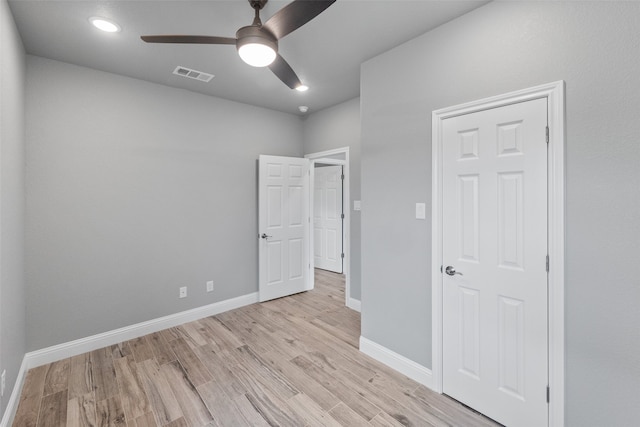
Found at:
<point>14,400</point>
<point>83,345</point>
<point>354,304</point>
<point>398,362</point>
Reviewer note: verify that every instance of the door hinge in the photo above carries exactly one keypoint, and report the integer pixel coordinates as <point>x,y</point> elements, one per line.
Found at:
<point>547,263</point>
<point>341,216</point>
<point>342,256</point>
<point>547,131</point>
<point>342,177</point>
<point>548,392</point>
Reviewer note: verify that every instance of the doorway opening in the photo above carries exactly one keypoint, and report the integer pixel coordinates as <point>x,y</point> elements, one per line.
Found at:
<point>332,160</point>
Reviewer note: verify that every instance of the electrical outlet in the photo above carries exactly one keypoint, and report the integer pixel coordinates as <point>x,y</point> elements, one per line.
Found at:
<point>210,286</point>
<point>3,382</point>
<point>183,292</point>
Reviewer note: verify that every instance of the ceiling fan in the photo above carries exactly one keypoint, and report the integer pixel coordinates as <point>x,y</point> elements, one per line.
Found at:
<point>257,43</point>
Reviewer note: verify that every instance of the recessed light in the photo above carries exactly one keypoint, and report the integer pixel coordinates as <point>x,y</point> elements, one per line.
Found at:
<point>104,24</point>
<point>303,108</point>
<point>302,88</point>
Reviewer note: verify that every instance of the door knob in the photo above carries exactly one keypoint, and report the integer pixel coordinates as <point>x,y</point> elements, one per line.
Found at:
<point>451,271</point>
<point>265,236</point>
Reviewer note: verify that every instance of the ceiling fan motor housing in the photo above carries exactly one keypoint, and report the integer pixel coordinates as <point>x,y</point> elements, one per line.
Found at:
<point>254,34</point>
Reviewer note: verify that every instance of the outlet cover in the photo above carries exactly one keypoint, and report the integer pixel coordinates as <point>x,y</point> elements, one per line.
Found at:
<point>183,292</point>
<point>210,286</point>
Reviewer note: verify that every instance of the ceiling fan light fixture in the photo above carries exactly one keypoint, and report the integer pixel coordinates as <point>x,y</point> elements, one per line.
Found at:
<point>302,88</point>
<point>257,54</point>
<point>104,24</point>
<point>256,46</point>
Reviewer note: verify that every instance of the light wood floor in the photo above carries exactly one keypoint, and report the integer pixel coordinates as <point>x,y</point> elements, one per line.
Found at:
<point>289,362</point>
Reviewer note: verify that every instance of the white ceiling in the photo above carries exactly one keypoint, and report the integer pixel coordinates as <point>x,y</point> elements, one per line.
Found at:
<point>326,53</point>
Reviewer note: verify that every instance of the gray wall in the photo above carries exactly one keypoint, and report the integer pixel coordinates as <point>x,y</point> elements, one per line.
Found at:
<point>12,296</point>
<point>338,127</point>
<point>501,47</point>
<point>133,190</point>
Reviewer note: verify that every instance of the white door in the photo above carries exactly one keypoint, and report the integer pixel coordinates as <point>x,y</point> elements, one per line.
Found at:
<point>283,226</point>
<point>495,248</point>
<point>327,218</point>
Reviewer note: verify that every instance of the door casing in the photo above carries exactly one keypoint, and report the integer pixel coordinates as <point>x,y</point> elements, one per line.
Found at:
<point>554,93</point>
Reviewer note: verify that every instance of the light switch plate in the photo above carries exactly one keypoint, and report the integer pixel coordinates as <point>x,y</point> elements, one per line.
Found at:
<point>357,205</point>
<point>421,211</point>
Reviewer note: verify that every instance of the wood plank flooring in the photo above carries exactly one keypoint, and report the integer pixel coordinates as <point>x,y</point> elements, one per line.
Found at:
<point>288,362</point>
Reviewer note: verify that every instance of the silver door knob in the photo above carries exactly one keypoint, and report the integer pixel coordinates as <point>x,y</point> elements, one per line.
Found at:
<point>265,236</point>
<point>451,271</point>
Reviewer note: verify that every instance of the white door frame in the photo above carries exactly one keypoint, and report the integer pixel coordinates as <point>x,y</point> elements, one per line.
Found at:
<point>321,157</point>
<point>554,92</point>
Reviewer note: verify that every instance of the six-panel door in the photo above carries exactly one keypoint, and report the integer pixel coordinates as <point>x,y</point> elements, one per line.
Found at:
<point>495,236</point>
<point>283,226</point>
<point>327,218</point>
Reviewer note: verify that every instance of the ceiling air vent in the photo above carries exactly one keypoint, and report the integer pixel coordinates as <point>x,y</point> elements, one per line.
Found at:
<point>192,74</point>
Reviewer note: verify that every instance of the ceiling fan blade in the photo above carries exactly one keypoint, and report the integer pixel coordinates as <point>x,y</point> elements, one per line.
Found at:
<point>284,72</point>
<point>189,39</point>
<point>295,15</point>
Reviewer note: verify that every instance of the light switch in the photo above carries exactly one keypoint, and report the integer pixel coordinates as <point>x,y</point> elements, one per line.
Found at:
<point>356,205</point>
<point>421,211</point>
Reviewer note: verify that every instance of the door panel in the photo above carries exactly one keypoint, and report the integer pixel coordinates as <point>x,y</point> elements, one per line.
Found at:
<point>469,313</point>
<point>495,237</point>
<point>511,346</point>
<point>283,205</point>
<point>328,218</point>
<point>468,214</point>
<point>510,220</point>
